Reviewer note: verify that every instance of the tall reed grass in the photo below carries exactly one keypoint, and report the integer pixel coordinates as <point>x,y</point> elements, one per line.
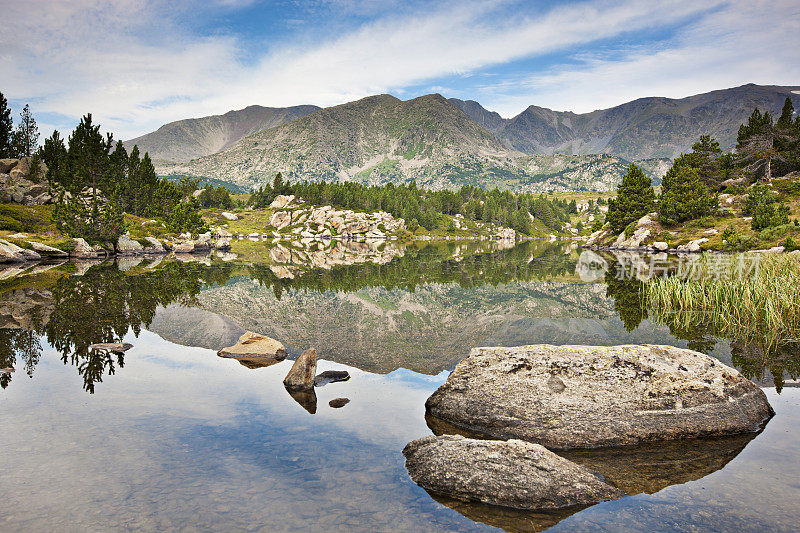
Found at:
<point>763,304</point>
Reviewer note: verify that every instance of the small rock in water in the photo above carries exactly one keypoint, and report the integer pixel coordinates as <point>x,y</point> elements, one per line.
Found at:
<point>511,473</point>
<point>301,375</point>
<point>337,403</point>
<point>113,347</point>
<point>331,376</point>
<point>252,346</point>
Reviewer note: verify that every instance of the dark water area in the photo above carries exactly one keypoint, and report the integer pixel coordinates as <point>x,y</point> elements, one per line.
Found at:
<point>169,436</point>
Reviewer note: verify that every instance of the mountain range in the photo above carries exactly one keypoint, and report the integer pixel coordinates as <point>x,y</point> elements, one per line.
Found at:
<point>448,143</point>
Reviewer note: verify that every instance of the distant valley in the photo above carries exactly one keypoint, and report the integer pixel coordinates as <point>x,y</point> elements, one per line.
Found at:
<point>449,143</point>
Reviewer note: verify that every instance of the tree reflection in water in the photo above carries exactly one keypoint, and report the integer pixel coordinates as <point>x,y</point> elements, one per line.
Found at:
<point>102,305</point>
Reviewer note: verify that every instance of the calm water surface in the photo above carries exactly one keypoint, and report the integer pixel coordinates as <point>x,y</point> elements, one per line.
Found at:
<point>172,437</point>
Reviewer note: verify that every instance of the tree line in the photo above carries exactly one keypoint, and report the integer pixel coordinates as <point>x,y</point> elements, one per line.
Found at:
<point>426,208</point>
<point>764,148</point>
<point>96,180</point>
<point>21,141</point>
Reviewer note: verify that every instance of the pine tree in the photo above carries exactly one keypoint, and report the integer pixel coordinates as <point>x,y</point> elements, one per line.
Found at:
<point>684,196</point>
<point>6,129</point>
<point>26,136</point>
<point>87,152</point>
<point>635,198</point>
<point>54,154</point>
<point>755,144</point>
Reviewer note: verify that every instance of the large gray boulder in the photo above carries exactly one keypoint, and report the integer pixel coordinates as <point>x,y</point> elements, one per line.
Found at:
<point>588,396</point>
<point>510,473</point>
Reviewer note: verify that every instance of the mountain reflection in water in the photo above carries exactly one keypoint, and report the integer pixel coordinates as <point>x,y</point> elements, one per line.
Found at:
<point>396,326</point>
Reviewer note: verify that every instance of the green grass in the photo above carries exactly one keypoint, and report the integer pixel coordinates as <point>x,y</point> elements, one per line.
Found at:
<point>764,304</point>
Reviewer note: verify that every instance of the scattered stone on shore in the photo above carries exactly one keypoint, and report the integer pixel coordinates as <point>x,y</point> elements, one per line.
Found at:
<point>184,248</point>
<point>19,185</point>
<point>11,253</point>
<point>511,473</point>
<point>155,246</point>
<point>127,246</point>
<point>82,250</point>
<point>112,347</point>
<point>301,375</point>
<point>338,403</point>
<point>281,201</point>
<point>255,346</point>
<point>48,252</point>
<point>588,396</point>
<point>330,376</point>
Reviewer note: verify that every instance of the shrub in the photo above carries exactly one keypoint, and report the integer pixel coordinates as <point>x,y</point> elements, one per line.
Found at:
<point>10,224</point>
<point>790,245</point>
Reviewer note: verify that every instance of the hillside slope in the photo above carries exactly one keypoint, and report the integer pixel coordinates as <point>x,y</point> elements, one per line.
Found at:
<point>188,139</point>
<point>376,139</point>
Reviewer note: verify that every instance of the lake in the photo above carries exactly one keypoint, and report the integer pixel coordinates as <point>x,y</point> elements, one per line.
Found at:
<point>169,436</point>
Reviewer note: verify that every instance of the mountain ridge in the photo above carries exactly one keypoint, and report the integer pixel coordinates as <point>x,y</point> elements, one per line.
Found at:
<point>191,138</point>
<point>447,143</point>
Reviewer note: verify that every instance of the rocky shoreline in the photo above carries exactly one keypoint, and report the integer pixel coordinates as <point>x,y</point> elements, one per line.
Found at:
<point>646,228</point>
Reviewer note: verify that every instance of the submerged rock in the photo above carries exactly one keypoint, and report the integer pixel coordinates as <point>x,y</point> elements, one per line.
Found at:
<point>589,396</point>
<point>338,403</point>
<point>643,468</point>
<point>331,376</point>
<point>255,346</point>
<point>301,375</point>
<point>510,473</point>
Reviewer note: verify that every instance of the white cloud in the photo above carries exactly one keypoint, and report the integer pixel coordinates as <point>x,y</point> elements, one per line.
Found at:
<point>135,66</point>
<point>742,42</point>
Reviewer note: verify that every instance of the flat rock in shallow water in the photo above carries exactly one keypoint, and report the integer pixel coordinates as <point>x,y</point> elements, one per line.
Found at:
<point>254,346</point>
<point>590,396</point>
<point>510,473</point>
<point>331,376</point>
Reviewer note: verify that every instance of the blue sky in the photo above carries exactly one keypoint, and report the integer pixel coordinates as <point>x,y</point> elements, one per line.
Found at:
<point>137,64</point>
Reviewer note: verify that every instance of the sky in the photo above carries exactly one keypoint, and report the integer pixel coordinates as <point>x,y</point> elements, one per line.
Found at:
<point>138,64</point>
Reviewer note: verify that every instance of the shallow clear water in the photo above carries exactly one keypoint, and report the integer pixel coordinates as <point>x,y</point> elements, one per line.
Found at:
<point>177,438</point>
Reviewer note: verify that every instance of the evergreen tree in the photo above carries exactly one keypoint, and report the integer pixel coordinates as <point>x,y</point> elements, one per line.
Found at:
<point>26,137</point>
<point>755,144</point>
<point>688,188</point>
<point>635,198</point>
<point>87,153</point>
<point>684,196</point>
<point>6,129</point>
<point>787,142</point>
<point>54,154</point>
